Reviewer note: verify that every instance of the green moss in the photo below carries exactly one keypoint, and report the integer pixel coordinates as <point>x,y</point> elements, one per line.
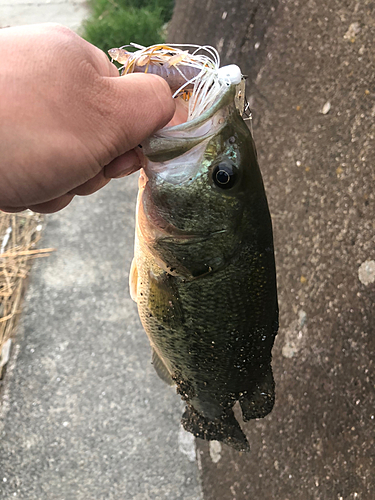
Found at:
<point>114,23</point>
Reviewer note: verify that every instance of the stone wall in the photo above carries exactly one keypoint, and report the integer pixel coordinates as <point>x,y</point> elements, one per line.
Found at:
<point>311,86</point>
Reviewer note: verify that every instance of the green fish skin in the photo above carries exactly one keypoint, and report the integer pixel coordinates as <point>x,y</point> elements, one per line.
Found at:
<point>203,274</point>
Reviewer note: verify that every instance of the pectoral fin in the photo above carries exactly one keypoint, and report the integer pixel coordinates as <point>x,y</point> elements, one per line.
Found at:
<point>161,369</point>
<point>133,280</point>
<point>164,301</point>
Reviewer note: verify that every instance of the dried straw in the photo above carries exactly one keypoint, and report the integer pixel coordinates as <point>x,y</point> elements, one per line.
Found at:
<point>19,234</point>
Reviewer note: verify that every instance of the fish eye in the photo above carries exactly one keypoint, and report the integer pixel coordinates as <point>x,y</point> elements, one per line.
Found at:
<point>224,175</point>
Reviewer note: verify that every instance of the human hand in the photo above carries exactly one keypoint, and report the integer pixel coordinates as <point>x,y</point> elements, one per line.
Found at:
<point>68,123</point>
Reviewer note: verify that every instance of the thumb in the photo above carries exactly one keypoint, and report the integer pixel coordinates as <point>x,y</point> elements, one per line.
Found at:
<point>142,104</point>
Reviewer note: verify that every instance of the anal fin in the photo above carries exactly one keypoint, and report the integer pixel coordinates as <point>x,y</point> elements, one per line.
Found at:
<point>259,402</point>
<point>161,369</point>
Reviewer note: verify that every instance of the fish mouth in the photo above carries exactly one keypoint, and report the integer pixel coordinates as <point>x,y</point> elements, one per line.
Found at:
<point>171,142</point>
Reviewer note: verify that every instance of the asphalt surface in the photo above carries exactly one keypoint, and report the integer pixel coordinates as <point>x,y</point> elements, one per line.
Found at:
<point>84,416</point>
<point>67,12</point>
<point>312,90</point>
<point>82,413</point>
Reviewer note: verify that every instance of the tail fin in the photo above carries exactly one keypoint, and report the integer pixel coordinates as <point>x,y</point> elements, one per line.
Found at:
<point>225,429</point>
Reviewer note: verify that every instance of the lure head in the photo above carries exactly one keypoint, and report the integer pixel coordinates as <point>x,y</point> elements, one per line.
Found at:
<point>201,192</point>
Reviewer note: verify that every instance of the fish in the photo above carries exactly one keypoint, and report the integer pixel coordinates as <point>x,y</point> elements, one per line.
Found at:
<point>203,274</point>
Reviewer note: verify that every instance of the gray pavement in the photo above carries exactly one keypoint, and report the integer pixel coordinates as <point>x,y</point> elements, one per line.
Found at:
<point>70,13</point>
<point>84,415</point>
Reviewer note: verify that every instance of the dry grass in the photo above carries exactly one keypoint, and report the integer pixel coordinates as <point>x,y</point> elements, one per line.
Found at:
<point>19,234</point>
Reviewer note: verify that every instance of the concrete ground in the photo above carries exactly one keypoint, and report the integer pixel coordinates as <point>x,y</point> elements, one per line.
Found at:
<point>83,414</point>
<point>18,12</point>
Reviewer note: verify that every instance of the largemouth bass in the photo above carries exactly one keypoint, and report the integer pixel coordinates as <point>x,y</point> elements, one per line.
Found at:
<point>203,274</point>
